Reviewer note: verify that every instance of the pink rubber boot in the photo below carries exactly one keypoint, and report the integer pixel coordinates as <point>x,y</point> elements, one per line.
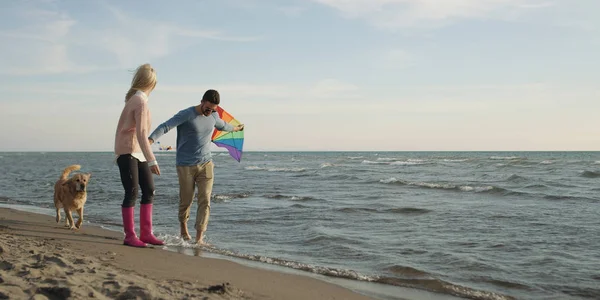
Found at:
<point>131,238</point>
<point>146,234</point>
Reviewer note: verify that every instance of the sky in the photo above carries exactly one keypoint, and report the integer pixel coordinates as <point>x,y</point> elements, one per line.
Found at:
<point>309,75</point>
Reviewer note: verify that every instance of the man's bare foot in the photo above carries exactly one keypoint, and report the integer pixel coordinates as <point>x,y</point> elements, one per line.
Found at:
<point>185,235</point>
<point>200,238</point>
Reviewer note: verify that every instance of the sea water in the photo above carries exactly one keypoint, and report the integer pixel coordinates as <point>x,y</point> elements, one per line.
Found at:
<point>476,225</point>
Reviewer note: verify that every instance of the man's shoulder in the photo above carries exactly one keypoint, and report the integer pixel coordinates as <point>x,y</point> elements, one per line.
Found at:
<point>189,109</point>
<point>187,112</point>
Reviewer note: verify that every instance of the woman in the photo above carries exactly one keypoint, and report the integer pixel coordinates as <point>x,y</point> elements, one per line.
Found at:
<point>135,158</point>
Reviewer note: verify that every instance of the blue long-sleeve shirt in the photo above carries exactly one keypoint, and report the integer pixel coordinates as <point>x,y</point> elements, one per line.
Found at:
<point>194,132</point>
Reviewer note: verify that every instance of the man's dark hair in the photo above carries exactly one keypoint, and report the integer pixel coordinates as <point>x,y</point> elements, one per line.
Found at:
<point>211,96</point>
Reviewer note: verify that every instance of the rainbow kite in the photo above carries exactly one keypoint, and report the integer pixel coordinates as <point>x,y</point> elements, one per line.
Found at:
<point>232,141</point>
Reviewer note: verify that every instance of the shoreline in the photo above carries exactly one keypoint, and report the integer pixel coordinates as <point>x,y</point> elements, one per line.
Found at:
<point>42,257</point>
<point>369,290</point>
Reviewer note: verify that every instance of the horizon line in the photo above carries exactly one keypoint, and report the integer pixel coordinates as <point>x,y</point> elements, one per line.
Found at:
<point>251,151</point>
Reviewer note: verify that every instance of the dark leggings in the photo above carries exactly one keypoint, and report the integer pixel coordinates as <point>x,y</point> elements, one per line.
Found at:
<point>134,173</point>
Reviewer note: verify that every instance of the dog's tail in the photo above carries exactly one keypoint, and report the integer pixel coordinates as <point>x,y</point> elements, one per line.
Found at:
<point>68,171</point>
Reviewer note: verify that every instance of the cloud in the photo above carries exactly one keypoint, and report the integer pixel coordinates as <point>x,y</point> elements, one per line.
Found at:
<point>392,14</point>
<point>38,47</point>
<point>131,45</point>
<point>47,40</point>
<point>292,11</point>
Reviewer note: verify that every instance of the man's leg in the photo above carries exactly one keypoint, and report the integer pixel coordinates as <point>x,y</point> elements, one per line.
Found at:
<point>186,196</point>
<point>204,180</point>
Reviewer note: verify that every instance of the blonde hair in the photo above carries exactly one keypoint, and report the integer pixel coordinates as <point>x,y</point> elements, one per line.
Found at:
<point>144,79</point>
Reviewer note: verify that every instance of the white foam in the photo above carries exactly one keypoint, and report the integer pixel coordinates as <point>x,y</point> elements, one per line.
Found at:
<point>477,189</point>
<point>253,168</point>
<point>370,162</point>
<point>386,159</point>
<point>286,169</point>
<point>433,185</point>
<point>504,157</point>
<point>389,180</point>
<point>355,157</point>
<point>406,163</point>
<point>256,168</point>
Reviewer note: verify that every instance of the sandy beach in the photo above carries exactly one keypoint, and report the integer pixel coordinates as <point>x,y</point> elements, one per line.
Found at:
<point>41,259</point>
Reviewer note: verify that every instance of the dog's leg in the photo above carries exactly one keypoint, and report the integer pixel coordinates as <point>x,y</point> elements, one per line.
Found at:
<point>66,217</point>
<point>70,219</point>
<point>80,220</point>
<point>57,215</point>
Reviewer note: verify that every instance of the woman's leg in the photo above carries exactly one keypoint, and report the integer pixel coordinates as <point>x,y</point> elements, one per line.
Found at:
<point>147,186</point>
<point>128,168</point>
<point>146,183</point>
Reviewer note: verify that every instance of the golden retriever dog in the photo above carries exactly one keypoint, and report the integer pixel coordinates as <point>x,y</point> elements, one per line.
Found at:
<point>71,194</point>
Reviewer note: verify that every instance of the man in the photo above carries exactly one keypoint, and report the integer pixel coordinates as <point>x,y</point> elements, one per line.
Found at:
<point>195,126</point>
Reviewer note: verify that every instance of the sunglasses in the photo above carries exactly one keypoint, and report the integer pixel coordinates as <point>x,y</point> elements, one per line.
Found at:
<point>208,109</point>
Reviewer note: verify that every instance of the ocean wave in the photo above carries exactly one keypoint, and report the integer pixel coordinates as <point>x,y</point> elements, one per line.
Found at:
<point>173,241</point>
<point>408,210</point>
<point>505,157</point>
<point>287,197</point>
<point>394,163</point>
<point>386,159</point>
<point>226,197</point>
<point>405,163</point>
<point>320,238</point>
<point>443,186</point>
<point>516,178</point>
<point>536,186</point>
<point>406,271</point>
<point>356,209</point>
<point>355,157</point>
<point>298,206</point>
<point>257,168</point>
<point>326,165</point>
<point>455,160</point>
<point>342,177</point>
<point>443,287</point>
<point>570,198</point>
<point>370,162</point>
<point>590,174</point>
<point>429,284</point>
<point>399,210</point>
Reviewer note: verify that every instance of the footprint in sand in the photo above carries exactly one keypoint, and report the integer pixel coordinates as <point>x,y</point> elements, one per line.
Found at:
<point>55,292</point>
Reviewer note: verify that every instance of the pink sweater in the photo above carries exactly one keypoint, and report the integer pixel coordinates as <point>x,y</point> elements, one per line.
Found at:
<point>133,128</point>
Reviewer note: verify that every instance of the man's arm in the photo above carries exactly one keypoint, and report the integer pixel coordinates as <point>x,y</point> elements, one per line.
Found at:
<point>221,125</point>
<point>178,119</point>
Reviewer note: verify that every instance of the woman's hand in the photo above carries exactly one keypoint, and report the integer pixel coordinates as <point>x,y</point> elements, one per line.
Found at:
<point>154,169</point>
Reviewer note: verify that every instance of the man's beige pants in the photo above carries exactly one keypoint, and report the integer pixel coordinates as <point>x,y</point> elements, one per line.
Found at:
<point>200,176</point>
